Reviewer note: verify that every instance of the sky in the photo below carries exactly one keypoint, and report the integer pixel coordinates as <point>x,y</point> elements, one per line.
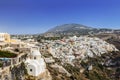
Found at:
<point>38,16</point>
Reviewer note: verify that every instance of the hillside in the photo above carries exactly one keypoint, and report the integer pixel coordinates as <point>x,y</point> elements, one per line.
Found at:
<point>69,27</point>
<point>74,29</point>
<point>70,64</point>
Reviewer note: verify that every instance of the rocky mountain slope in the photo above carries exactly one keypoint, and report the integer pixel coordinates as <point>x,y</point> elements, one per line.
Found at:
<point>74,29</point>
<point>69,27</point>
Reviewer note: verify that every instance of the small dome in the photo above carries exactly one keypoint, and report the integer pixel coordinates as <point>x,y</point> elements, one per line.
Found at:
<point>35,53</point>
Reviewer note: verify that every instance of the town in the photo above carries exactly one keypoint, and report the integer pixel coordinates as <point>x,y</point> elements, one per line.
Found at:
<point>36,55</point>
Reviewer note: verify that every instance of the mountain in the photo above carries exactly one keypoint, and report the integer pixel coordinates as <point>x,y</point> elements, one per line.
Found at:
<point>69,27</point>
<point>74,29</point>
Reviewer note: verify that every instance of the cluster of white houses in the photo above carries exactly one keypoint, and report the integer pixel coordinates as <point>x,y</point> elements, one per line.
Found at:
<point>66,49</point>
<point>79,48</point>
<point>28,53</point>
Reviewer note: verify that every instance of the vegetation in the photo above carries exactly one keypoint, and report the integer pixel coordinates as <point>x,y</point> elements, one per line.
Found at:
<point>17,50</point>
<point>99,72</point>
<point>7,54</point>
<point>1,64</point>
<point>56,75</point>
<point>40,38</point>
<point>18,72</point>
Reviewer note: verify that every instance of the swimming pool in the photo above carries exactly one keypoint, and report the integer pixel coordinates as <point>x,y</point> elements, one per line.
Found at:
<point>5,59</point>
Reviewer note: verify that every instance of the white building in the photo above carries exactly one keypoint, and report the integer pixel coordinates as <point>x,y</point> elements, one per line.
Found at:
<point>35,64</point>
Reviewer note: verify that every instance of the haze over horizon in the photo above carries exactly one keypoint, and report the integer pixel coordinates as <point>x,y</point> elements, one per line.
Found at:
<point>37,16</point>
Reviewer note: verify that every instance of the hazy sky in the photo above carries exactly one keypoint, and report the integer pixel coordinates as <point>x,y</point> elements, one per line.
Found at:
<point>37,16</point>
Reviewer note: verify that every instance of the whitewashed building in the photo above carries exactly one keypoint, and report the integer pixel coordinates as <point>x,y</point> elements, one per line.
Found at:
<point>35,64</point>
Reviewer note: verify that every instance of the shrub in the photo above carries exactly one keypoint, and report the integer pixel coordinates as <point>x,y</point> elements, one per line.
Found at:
<point>7,54</point>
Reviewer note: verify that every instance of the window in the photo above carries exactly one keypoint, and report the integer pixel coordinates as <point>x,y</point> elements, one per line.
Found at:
<point>31,70</point>
<point>34,57</point>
